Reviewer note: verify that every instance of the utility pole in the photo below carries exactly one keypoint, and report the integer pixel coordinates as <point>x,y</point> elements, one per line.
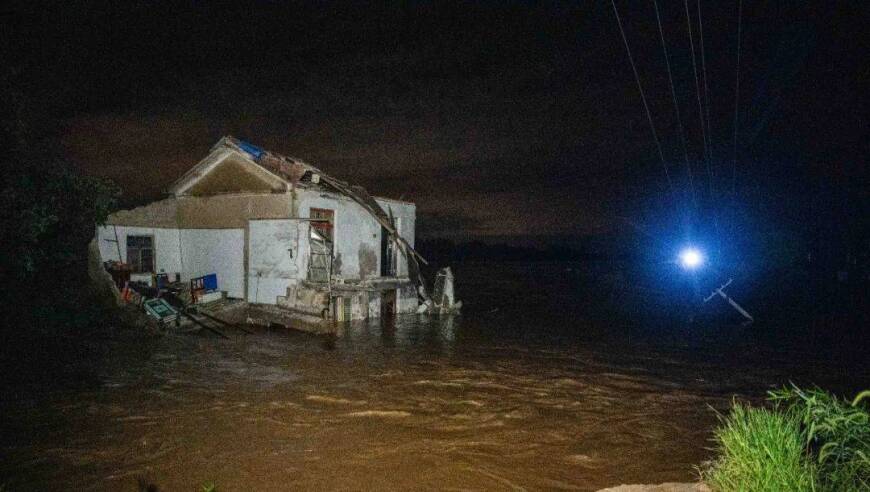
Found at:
<point>721,293</point>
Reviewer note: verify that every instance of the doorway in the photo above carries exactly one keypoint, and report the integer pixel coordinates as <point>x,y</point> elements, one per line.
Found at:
<point>321,244</point>
<point>388,253</point>
<point>388,303</point>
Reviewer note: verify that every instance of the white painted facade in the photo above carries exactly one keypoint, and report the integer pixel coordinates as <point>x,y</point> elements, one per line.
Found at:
<point>357,233</point>
<point>167,256</point>
<point>273,258</point>
<point>264,260</point>
<point>189,253</point>
<point>218,251</point>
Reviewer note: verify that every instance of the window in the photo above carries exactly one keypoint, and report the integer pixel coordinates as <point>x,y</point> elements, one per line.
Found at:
<point>321,245</point>
<point>325,224</point>
<point>320,261</point>
<point>140,253</point>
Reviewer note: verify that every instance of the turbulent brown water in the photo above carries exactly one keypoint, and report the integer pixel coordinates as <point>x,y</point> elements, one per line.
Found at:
<point>526,390</point>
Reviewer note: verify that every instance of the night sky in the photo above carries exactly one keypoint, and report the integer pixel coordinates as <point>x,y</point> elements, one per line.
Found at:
<point>499,121</point>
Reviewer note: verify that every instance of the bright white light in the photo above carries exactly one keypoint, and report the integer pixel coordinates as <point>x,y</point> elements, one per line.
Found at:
<point>691,258</point>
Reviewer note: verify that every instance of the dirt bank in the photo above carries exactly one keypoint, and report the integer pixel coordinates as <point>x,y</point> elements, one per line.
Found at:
<point>662,487</point>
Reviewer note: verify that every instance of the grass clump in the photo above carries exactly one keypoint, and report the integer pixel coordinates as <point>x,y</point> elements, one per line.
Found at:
<point>759,450</point>
<point>809,440</point>
<point>835,432</point>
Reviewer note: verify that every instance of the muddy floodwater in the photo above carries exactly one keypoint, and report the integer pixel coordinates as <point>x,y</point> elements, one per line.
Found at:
<point>526,390</point>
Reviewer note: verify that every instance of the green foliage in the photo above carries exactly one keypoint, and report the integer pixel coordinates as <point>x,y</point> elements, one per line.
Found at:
<point>208,487</point>
<point>836,431</point>
<point>49,210</point>
<point>759,450</point>
<point>809,440</point>
<point>50,218</point>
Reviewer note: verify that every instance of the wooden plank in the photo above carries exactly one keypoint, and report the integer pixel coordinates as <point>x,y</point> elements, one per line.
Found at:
<point>218,320</point>
<point>203,325</point>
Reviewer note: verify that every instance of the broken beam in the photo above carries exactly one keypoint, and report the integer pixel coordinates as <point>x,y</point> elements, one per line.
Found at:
<point>203,325</point>
<point>737,307</point>
<point>218,320</point>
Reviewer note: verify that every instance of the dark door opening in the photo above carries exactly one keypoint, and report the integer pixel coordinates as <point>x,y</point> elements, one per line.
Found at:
<point>388,254</point>
<point>388,303</point>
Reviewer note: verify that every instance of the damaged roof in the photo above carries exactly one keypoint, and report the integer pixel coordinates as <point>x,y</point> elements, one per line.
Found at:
<point>293,172</point>
<point>273,168</point>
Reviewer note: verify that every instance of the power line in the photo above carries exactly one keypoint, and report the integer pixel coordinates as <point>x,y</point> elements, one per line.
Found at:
<point>698,93</point>
<point>736,98</point>
<point>643,98</point>
<point>706,90</point>
<point>676,106</point>
<point>704,135</point>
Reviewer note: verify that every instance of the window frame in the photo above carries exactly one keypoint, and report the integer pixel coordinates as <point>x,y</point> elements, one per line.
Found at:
<point>324,213</point>
<point>138,266</point>
<point>312,231</point>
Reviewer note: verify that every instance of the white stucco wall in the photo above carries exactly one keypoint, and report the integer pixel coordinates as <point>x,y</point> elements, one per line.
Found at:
<point>166,247</point>
<point>188,252</point>
<point>406,299</point>
<point>218,251</point>
<point>271,269</point>
<point>357,233</point>
<point>273,258</point>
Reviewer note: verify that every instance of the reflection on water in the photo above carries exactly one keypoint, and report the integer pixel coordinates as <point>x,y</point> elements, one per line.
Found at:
<point>526,390</point>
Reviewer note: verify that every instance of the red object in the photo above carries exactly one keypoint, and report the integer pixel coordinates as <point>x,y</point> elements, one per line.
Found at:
<point>120,273</point>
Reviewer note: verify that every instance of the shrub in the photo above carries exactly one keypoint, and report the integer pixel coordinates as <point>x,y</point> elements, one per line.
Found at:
<point>759,450</point>
<point>835,431</point>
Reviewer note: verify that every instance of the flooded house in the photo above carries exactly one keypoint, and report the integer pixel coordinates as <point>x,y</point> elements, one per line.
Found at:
<point>274,231</point>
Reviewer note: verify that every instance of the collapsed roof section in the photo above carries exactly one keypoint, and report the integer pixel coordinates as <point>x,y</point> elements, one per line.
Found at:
<point>296,173</point>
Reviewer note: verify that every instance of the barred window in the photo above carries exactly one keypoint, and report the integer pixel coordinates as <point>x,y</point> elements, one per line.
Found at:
<point>324,222</point>
<point>140,253</point>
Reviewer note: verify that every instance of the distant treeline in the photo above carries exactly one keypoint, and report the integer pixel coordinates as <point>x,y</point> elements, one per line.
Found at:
<point>764,249</point>
<point>447,251</point>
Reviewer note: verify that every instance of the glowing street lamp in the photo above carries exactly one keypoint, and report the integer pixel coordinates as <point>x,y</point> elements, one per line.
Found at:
<point>691,258</point>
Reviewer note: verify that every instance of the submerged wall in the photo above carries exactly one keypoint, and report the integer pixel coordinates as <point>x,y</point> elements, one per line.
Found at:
<point>406,299</point>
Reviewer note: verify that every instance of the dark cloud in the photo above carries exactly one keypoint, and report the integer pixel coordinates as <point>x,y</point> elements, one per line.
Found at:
<point>511,119</point>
